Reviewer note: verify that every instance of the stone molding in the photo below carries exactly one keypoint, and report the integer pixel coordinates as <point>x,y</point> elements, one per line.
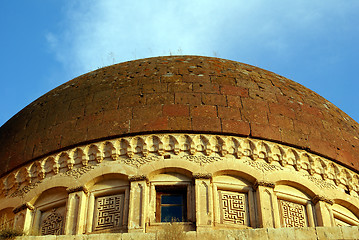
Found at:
<point>23,207</point>
<point>201,149</point>
<point>264,184</point>
<point>318,198</point>
<point>135,178</point>
<point>202,175</point>
<point>77,189</point>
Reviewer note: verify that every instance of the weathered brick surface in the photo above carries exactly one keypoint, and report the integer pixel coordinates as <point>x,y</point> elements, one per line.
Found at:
<point>179,93</point>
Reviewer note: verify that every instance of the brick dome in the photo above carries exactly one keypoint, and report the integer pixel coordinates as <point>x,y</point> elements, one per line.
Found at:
<point>178,94</point>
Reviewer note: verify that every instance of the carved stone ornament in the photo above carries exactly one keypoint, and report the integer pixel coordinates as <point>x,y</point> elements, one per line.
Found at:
<point>201,149</point>
<point>264,184</point>
<point>108,212</point>
<point>318,198</point>
<point>293,214</point>
<point>137,178</point>
<point>77,189</point>
<point>23,207</point>
<point>53,224</point>
<point>233,207</point>
<point>202,175</point>
<point>202,160</point>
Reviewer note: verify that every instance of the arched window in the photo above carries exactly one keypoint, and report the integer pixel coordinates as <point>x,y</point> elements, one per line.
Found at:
<point>171,198</point>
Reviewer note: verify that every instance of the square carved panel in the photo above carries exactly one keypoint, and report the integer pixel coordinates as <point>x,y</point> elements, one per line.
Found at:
<point>52,221</point>
<point>293,214</point>
<point>108,212</point>
<point>233,207</point>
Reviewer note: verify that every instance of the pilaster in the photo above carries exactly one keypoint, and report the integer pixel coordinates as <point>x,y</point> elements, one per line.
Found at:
<point>266,202</point>
<point>323,211</point>
<point>138,207</point>
<point>23,217</point>
<point>76,210</point>
<point>204,201</point>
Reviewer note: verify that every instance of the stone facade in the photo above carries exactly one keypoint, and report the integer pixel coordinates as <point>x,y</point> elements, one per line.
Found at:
<point>228,182</point>
<point>214,146</point>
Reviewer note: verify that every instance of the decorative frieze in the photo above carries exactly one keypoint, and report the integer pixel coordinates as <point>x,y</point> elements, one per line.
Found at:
<point>201,149</point>
<point>202,160</point>
<point>262,166</point>
<point>320,182</point>
<point>22,191</point>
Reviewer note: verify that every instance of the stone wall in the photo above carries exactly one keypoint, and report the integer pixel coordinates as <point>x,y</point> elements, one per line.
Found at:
<point>319,233</point>
<point>225,182</point>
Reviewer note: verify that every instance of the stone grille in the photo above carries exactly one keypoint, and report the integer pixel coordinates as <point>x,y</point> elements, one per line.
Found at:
<point>234,209</point>
<point>109,212</point>
<point>53,224</point>
<point>293,214</point>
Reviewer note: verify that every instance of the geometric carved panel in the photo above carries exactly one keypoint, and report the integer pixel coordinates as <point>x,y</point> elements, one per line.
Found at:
<point>108,212</point>
<point>293,214</point>
<point>233,207</point>
<point>52,224</point>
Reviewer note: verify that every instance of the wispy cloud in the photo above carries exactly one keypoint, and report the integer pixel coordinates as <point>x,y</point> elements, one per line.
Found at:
<point>99,33</point>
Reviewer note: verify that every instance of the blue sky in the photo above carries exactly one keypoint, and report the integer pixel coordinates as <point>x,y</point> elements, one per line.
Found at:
<point>45,43</point>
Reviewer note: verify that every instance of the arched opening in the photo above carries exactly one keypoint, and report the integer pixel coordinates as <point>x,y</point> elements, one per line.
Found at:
<point>234,204</point>
<point>108,204</point>
<point>50,212</point>
<point>295,207</point>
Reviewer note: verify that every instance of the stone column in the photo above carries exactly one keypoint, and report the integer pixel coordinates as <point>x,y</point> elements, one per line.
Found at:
<point>76,211</point>
<point>204,201</point>
<point>323,211</point>
<point>138,203</point>
<point>267,206</point>
<point>24,217</point>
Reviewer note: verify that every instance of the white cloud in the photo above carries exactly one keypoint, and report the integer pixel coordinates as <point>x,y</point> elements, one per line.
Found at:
<point>99,33</point>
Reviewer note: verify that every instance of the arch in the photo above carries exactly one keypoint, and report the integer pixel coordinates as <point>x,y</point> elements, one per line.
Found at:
<point>104,177</point>
<point>251,179</point>
<point>300,182</point>
<point>295,208</point>
<point>50,211</point>
<point>345,213</point>
<point>345,203</point>
<point>108,203</point>
<point>174,162</point>
<point>163,170</point>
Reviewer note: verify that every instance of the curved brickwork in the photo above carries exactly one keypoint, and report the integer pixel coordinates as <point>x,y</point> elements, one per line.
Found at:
<point>179,93</point>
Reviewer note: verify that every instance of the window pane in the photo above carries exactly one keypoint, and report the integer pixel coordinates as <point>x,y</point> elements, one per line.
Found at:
<point>172,199</point>
<point>171,213</point>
